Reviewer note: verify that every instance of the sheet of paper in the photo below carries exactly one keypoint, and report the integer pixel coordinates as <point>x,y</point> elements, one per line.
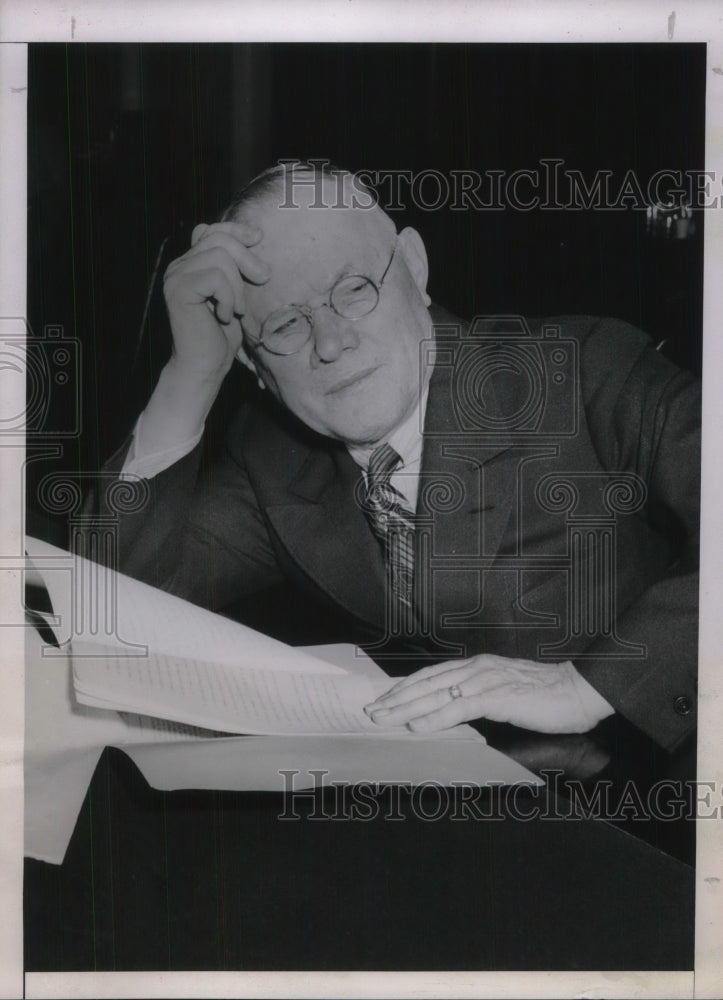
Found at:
<point>107,608</point>
<point>283,763</point>
<point>150,729</point>
<point>63,743</point>
<point>234,698</point>
<point>55,787</point>
<point>64,740</point>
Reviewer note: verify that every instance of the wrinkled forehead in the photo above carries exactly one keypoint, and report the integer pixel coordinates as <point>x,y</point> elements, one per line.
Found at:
<point>310,245</point>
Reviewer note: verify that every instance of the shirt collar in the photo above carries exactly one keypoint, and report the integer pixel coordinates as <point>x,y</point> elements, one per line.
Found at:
<point>407,439</point>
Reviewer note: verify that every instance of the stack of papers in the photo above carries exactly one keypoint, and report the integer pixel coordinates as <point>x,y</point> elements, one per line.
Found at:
<point>225,697</point>
<point>168,682</point>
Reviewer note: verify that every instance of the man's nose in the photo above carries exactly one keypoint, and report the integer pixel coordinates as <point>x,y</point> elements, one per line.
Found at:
<point>332,335</point>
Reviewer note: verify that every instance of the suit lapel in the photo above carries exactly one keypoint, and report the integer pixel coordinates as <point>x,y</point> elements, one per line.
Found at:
<point>479,468</point>
<point>326,533</point>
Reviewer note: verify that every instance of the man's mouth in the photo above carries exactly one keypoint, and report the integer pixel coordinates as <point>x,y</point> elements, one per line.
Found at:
<point>350,380</point>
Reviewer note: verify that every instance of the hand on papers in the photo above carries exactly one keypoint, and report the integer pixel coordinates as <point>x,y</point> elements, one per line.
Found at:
<point>544,697</point>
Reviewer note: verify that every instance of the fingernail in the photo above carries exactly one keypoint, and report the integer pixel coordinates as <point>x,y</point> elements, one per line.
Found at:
<point>379,713</point>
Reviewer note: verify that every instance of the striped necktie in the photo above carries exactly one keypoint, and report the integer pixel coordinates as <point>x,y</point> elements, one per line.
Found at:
<point>391,521</point>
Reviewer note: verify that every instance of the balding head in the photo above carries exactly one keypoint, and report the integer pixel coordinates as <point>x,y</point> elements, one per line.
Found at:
<point>297,184</point>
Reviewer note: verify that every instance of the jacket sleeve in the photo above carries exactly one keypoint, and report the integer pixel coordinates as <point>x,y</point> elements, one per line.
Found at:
<point>199,534</point>
<point>645,418</point>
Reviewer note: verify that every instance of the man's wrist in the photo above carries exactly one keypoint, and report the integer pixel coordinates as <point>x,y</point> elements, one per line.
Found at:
<point>147,465</point>
<point>177,410</point>
<point>193,391</point>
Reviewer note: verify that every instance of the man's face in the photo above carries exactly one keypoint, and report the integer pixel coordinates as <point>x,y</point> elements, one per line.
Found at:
<point>355,380</point>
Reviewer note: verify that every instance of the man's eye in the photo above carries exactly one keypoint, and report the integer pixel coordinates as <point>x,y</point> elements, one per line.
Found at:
<point>287,325</point>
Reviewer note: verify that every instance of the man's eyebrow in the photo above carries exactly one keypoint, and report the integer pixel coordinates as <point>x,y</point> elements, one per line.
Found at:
<point>345,270</point>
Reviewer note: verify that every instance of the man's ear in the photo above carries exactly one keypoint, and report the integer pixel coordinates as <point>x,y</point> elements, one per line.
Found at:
<point>415,255</point>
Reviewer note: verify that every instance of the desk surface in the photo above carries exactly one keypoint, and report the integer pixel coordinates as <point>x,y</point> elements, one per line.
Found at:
<point>206,880</point>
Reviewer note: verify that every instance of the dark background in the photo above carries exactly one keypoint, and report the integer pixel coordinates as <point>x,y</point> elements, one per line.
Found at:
<point>129,144</point>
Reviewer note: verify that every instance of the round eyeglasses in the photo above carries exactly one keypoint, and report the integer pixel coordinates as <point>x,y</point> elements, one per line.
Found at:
<point>287,331</point>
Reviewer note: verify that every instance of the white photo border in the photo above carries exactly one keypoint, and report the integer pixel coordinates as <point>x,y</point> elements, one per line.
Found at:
<point>377,21</point>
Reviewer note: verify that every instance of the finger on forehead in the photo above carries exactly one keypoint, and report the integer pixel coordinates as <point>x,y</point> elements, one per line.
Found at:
<point>243,231</point>
<point>251,266</point>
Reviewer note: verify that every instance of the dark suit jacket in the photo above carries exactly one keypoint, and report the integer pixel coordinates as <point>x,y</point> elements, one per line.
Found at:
<point>532,550</point>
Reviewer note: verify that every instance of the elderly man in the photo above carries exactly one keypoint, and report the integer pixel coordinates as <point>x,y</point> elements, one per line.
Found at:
<point>530,595</point>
